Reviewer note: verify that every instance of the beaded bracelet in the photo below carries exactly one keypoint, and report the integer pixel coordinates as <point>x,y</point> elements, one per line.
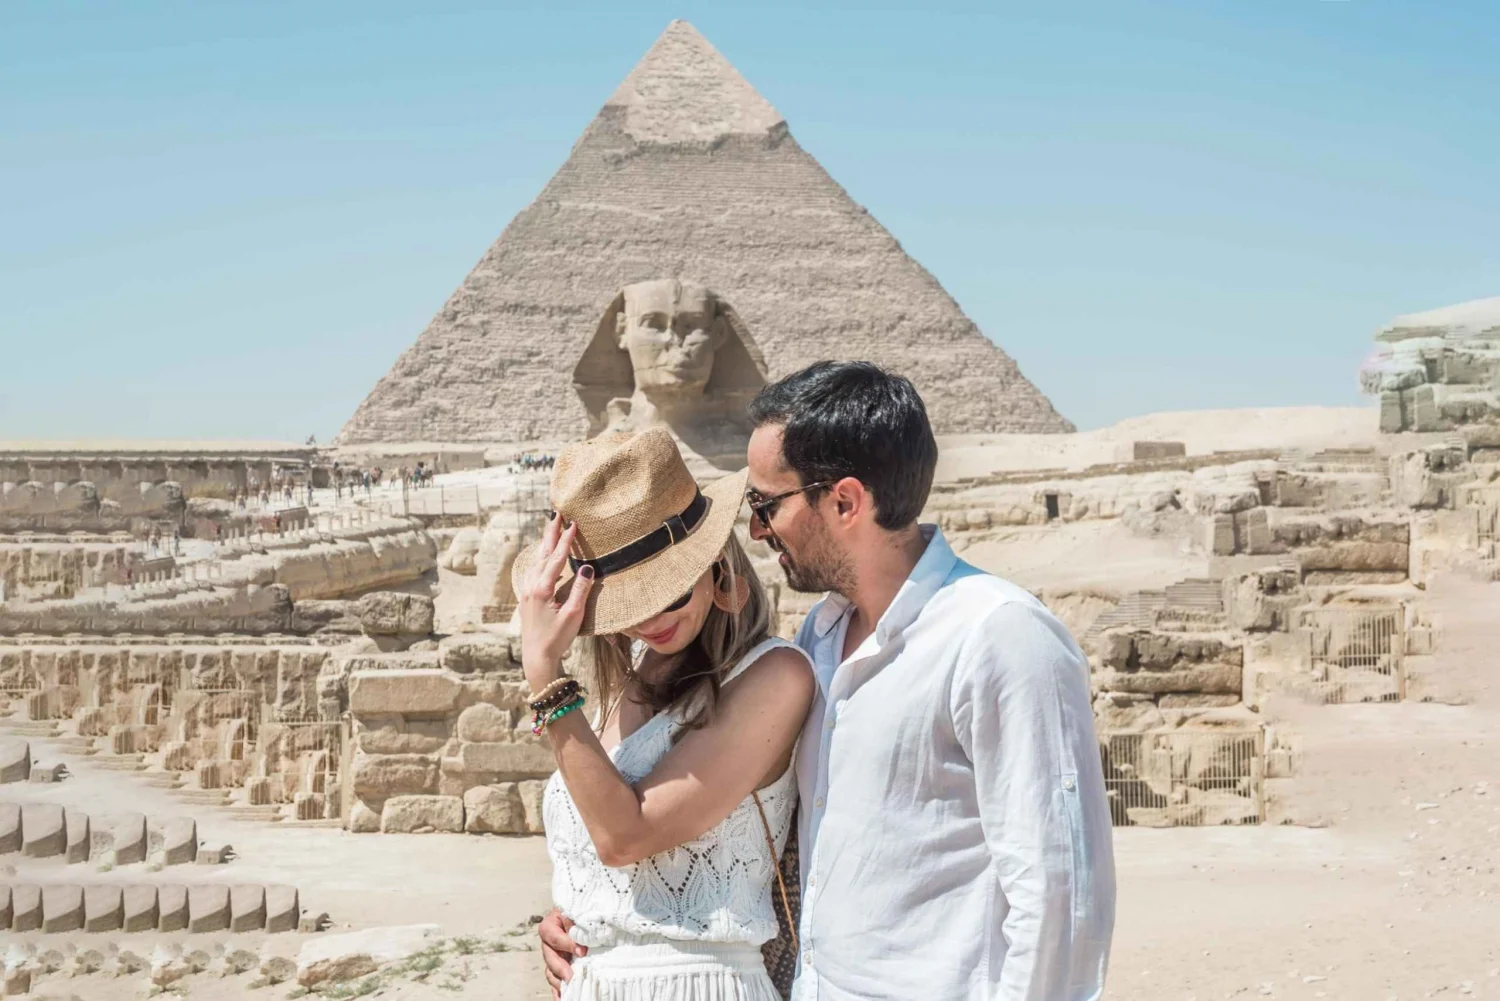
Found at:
<point>551,691</point>
<point>552,697</point>
<point>542,720</point>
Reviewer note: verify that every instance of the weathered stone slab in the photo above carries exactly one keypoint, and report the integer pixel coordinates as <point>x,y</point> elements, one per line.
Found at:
<point>208,908</point>
<point>1224,679</point>
<point>103,908</point>
<point>331,958</point>
<point>422,814</point>
<point>283,908</point>
<point>179,840</point>
<point>516,760</point>
<point>531,793</point>
<point>62,908</point>
<point>495,809</point>
<point>247,908</point>
<point>394,740</point>
<point>172,908</point>
<point>408,692</point>
<point>15,761</point>
<point>10,828</point>
<point>26,908</point>
<point>79,836</point>
<point>43,830</point>
<point>485,724</point>
<point>130,842</point>
<point>477,654</point>
<point>138,909</point>
<point>363,819</point>
<point>379,776</point>
<point>392,613</point>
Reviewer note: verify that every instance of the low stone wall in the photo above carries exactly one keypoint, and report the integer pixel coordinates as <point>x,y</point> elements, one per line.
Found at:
<point>442,741</point>
<point>59,568</point>
<point>1144,673</point>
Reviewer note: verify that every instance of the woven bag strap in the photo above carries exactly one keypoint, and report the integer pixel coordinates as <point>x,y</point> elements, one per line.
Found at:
<point>786,905</point>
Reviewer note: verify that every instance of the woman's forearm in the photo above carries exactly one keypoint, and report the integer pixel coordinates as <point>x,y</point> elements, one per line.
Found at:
<point>610,806</point>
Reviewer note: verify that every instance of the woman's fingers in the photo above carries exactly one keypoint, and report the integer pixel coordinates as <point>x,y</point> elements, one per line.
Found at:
<point>552,568</point>
<point>578,596</point>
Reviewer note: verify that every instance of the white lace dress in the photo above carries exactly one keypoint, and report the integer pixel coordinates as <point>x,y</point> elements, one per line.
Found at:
<point>685,924</point>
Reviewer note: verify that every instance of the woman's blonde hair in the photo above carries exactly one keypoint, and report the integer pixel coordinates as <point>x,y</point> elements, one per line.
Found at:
<point>690,684</point>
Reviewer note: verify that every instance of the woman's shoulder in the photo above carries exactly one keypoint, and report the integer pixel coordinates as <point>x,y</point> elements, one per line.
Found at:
<point>780,664</point>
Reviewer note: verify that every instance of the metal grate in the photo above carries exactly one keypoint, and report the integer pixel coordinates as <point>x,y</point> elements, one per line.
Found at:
<point>1357,654</point>
<point>1184,778</point>
<point>1489,522</point>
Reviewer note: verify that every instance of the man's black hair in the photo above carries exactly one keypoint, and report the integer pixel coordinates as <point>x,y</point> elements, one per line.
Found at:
<point>855,419</point>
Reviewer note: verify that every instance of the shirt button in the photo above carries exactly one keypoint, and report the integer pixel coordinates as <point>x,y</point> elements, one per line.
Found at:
<point>807,957</point>
<point>1068,783</point>
<point>812,880</point>
<point>829,724</point>
<point>818,803</point>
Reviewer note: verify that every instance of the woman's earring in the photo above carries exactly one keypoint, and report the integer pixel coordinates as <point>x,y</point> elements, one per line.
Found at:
<point>730,592</point>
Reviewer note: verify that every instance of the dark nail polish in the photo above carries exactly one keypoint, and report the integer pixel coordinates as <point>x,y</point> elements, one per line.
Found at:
<point>586,572</point>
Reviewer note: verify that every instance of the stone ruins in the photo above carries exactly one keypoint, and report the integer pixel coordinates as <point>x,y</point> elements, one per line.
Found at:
<point>196,637</point>
<point>686,172</point>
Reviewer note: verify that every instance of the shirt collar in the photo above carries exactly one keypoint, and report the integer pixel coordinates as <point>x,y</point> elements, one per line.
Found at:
<point>921,584</point>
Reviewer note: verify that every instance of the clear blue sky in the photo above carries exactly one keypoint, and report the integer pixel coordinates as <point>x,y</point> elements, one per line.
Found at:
<point>227,219</point>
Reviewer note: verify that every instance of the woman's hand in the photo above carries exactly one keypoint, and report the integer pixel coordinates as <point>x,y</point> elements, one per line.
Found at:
<point>547,627</point>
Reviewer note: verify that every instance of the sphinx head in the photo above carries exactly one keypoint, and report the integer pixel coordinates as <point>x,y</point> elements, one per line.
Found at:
<point>674,344</point>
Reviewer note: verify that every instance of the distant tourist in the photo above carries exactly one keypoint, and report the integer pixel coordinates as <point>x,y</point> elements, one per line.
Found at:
<point>953,830</point>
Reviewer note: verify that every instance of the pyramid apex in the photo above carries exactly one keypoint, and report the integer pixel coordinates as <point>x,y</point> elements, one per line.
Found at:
<point>684,90</point>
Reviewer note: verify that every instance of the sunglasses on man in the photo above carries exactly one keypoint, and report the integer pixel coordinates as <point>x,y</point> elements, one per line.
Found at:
<point>764,508</point>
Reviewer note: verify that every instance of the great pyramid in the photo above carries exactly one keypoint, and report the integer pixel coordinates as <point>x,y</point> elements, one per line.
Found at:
<point>687,173</point>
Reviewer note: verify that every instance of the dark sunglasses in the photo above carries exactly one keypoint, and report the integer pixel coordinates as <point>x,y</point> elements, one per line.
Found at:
<point>682,602</point>
<point>764,508</point>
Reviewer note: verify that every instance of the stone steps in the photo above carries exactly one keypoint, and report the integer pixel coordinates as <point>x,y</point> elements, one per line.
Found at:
<point>263,814</point>
<point>48,830</point>
<point>210,907</point>
<point>119,762</point>
<point>30,727</point>
<point>82,746</point>
<point>160,780</point>
<point>202,797</point>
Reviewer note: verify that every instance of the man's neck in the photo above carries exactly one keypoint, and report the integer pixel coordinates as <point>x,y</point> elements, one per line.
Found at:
<point>878,575</point>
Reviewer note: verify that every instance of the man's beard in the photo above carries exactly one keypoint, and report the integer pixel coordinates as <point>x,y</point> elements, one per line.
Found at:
<point>821,568</point>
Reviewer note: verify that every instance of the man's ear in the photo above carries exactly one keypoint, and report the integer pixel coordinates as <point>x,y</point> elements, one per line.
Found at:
<point>850,497</point>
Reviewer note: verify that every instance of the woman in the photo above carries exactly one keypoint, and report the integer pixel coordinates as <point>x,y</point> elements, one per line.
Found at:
<point>667,815</point>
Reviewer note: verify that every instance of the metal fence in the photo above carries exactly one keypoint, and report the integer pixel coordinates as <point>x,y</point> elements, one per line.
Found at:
<point>1488,516</point>
<point>1357,654</point>
<point>1184,778</point>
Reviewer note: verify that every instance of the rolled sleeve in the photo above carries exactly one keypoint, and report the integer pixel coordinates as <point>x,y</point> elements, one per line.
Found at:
<point>1022,712</point>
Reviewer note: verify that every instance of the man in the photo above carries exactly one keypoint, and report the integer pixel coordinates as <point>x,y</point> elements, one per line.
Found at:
<point>953,827</point>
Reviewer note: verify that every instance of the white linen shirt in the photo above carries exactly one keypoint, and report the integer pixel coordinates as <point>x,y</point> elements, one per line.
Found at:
<point>955,838</point>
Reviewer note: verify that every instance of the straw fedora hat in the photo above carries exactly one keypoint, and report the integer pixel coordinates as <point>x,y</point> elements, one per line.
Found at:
<point>643,524</point>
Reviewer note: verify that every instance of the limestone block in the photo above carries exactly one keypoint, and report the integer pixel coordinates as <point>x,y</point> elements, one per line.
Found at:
<point>397,739</point>
<point>17,981</point>
<point>531,792</point>
<point>208,907</point>
<point>217,855</point>
<point>391,613</point>
<point>25,908</point>
<point>41,774</point>
<point>1225,679</point>
<point>1221,539</point>
<point>1392,412</point>
<point>477,653</point>
<point>485,724</point>
<point>103,908</point>
<point>531,759</point>
<point>10,828</point>
<point>498,689</point>
<point>172,908</point>
<point>495,809</point>
<point>1126,712</point>
<point>1197,700</point>
<point>130,839</point>
<point>422,814</point>
<point>331,958</point>
<point>62,908</point>
<point>1253,531</point>
<point>247,908</point>
<point>377,777</point>
<point>138,910</point>
<point>408,692</point>
<point>179,840</point>
<point>363,819</point>
<point>43,830</point>
<point>79,840</point>
<point>1356,557</point>
<point>461,551</point>
<point>15,761</point>
<point>282,909</point>
<point>5,909</point>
